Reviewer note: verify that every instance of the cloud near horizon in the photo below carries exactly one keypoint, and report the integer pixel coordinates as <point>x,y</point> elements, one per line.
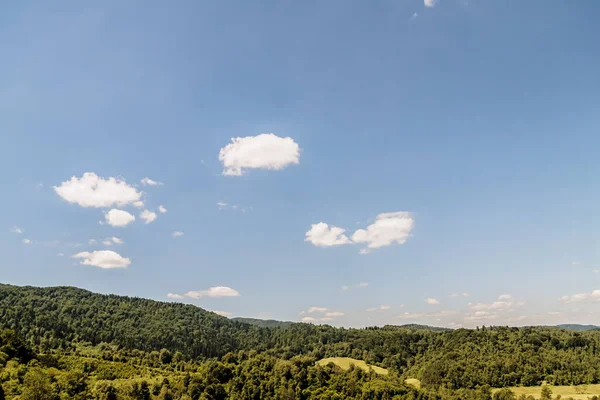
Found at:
<point>216,291</point>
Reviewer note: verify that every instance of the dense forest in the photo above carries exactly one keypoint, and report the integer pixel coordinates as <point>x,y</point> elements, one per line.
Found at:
<point>69,343</point>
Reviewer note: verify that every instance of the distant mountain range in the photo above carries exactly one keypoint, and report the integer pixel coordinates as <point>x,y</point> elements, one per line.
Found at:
<point>578,327</point>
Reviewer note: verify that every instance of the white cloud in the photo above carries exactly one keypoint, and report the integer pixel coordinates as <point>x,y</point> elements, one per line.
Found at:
<point>311,320</point>
<point>316,309</point>
<point>334,314</point>
<point>408,315</point>
<point>356,286</point>
<point>149,182</point>
<point>148,216</point>
<point>217,291</point>
<point>575,298</point>
<point>174,296</point>
<point>60,254</point>
<point>505,297</point>
<point>388,228</point>
<point>93,191</point>
<point>480,316</point>
<point>26,241</point>
<point>464,294</point>
<point>265,151</point>
<point>321,235</point>
<point>430,3</point>
<point>138,204</point>
<point>380,308</point>
<point>16,229</point>
<point>222,313</point>
<point>118,218</point>
<point>221,205</point>
<point>506,302</point>
<point>92,241</point>
<point>414,16</point>
<point>162,209</point>
<point>177,234</point>
<point>112,240</point>
<point>432,301</point>
<point>106,259</point>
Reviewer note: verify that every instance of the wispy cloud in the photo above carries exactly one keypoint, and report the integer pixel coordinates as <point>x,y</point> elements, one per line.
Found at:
<point>431,301</point>
<point>177,234</point>
<point>149,182</point>
<point>361,285</point>
<point>16,229</point>
<point>216,291</point>
<point>380,308</point>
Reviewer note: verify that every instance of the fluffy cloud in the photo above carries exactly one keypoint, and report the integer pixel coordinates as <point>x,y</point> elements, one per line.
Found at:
<point>430,3</point>
<point>432,301</point>
<point>388,228</point>
<point>575,298</point>
<point>26,241</point>
<point>16,229</point>
<point>118,218</point>
<point>355,286</point>
<point>321,235</point>
<point>174,296</point>
<point>106,259</point>
<point>323,314</point>
<point>266,151</point>
<point>138,204</point>
<point>162,209</point>
<point>177,234</point>
<point>222,313</point>
<point>380,308</point>
<point>93,191</point>
<point>149,182</point>
<point>505,297</point>
<point>315,310</point>
<point>148,216</point>
<point>112,240</point>
<point>217,291</point>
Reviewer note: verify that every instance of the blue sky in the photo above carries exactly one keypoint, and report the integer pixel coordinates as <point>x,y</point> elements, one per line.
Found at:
<point>477,119</point>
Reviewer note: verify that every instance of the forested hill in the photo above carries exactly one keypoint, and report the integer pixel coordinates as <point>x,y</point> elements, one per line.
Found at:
<point>63,318</point>
<point>264,323</point>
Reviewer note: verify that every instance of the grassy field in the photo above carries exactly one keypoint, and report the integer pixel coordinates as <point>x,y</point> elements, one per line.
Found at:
<point>346,362</point>
<point>581,392</point>
<point>413,382</point>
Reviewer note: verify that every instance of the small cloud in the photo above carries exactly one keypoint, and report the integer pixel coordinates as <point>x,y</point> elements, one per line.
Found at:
<point>264,151</point>
<point>430,3</point>
<point>162,209</point>
<point>463,294</point>
<point>575,263</point>
<point>217,291</point>
<point>118,218</point>
<point>408,315</point>
<point>316,309</point>
<point>597,271</point>
<point>388,228</point>
<point>575,298</point>
<point>60,255</point>
<point>112,240</point>
<point>174,296</point>
<point>16,229</point>
<point>334,314</point>
<point>26,241</point>
<point>222,313</point>
<point>432,301</point>
<point>356,286</point>
<point>138,204</point>
<point>177,234</point>
<point>148,216</point>
<point>414,16</point>
<point>505,297</point>
<point>93,191</point>
<point>105,259</point>
<point>92,241</point>
<point>221,204</point>
<point>149,182</point>
<point>380,308</point>
<point>323,236</point>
